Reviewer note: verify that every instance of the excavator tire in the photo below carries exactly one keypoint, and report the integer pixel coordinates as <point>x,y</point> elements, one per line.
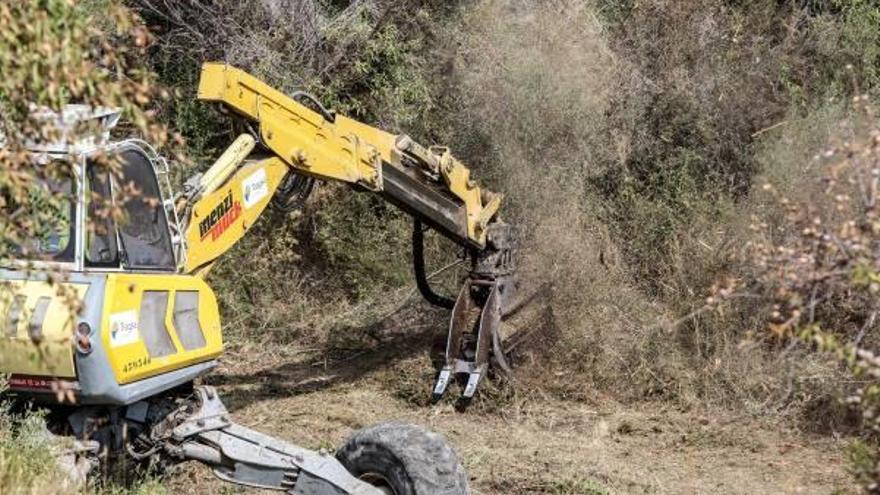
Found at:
<point>404,459</point>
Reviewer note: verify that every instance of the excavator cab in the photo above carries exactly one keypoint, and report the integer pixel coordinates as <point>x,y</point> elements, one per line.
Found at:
<point>122,322</point>
<point>147,238</point>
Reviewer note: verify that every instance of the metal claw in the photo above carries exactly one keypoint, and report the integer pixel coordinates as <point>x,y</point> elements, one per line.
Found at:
<point>473,380</point>
<point>477,313</point>
<point>442,383</point>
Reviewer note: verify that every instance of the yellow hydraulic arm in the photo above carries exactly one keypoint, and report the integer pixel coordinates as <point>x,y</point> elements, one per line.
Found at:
<point>334,147</point>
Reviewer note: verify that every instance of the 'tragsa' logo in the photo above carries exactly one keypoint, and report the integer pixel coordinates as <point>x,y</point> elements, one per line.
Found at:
<point>221,217</point>
<point>254,188</point>
<point>123,328</point>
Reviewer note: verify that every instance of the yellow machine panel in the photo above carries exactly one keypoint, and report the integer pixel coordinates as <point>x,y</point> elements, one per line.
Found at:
<point>37,333</point>
<point>157,323</point>
<point>222,217</point>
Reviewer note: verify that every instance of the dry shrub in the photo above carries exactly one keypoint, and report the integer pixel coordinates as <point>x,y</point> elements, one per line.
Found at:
<point>628,155</point>
<point>815,272</point>
<point>728,364</point>
<point>695,82</point>
<point>742,368</point>
<point>709,97</point>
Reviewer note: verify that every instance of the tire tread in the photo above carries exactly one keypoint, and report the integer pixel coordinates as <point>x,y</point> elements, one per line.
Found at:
<point>430,463</point>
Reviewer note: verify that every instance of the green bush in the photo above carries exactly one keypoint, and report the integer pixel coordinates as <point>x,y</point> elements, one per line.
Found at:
<point>27,464</point>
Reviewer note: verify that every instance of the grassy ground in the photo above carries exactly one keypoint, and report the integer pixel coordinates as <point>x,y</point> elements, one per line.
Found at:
<point>533,444</point>
<point>515,439</point>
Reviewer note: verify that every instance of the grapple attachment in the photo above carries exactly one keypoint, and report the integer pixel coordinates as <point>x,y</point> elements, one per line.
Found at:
<point>488,292</point>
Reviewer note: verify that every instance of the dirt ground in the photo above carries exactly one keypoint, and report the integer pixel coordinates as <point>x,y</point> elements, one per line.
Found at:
<point>527,446</point>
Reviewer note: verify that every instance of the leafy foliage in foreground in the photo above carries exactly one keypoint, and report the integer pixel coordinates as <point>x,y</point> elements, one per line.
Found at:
<point>818,271</point>
<point>53,55</point>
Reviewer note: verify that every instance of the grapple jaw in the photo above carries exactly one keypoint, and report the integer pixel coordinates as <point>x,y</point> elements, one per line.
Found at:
<point>488,293</point>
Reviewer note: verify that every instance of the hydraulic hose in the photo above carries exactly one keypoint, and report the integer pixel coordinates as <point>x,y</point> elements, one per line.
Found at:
<point>418,252</point>
<point>327,114</point>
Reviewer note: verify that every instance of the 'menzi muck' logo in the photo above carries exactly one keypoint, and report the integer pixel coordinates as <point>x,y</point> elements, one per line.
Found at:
<point>221,217</point>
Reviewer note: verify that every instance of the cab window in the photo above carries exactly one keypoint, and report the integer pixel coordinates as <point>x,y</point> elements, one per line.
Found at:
<point>102,249</point>
<point>143,230</point>
<point>40,225</point>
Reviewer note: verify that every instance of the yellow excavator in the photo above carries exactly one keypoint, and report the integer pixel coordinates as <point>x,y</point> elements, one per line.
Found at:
<point>147,324</point>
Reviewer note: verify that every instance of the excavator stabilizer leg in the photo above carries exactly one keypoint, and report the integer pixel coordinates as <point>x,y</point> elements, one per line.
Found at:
<point>202,431</point>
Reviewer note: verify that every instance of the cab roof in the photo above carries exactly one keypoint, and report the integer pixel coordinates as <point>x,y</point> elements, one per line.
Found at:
<point>68,123</point>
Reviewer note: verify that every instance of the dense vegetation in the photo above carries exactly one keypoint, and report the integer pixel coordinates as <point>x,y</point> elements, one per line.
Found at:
<point>657,156</point>
<point>632,140</point>
<point>628,137</point>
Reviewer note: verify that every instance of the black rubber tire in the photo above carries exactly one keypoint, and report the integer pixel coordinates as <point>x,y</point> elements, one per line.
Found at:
<point>408,459</point>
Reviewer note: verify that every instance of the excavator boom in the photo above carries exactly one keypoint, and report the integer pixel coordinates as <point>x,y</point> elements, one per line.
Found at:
<point>429,183</point>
